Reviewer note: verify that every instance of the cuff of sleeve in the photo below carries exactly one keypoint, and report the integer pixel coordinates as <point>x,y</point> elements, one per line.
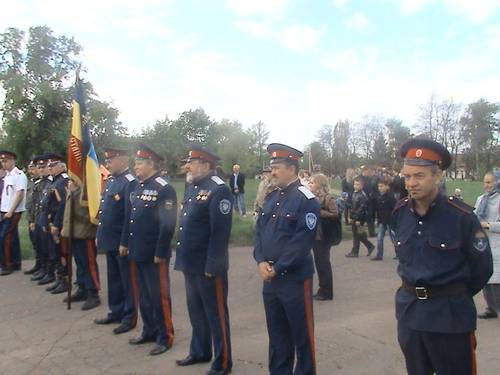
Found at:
<point>279,269</point>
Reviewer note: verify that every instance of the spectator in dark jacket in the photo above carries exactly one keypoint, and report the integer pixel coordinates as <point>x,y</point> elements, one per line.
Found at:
<point>359,213</point>
<point>237,185</point>
<point>348,188</point>
<point>385,205</point>
<point>370,188</point>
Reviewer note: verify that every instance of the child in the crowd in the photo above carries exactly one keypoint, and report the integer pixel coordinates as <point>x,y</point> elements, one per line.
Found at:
<point>385,204</point>
<point>359,214</point>
<point>343,204</point>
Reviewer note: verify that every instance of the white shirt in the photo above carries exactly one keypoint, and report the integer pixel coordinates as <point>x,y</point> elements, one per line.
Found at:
<point>14,181</point>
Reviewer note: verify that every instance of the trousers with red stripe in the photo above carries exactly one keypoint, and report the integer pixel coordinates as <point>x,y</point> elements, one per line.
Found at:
<point>87,271</point>
<point>209,316</point>
<point>289,317</point>
<point>154,301</point>
<point>428,353</point>
<point>10,250</point>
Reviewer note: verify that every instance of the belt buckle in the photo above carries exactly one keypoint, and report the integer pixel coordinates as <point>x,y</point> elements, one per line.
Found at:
<point>421,293</point>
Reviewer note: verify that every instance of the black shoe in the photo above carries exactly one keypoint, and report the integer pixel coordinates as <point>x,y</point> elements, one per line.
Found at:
<point>91,302</point>
<point>62,287</point>
<point>6,271</point>
<point>54,286</point>
<point>47,279</point>
<point>487,315</point>
<point>188,361</point>
<point>122,328</point>
<point>37,266</point>
<point>376,258</point>
<point>218,372</point>
<point>39,275</point>
<point>321,297</point>
<point>370,251</point>
<point>351,255</point>
<point>78,296</point>
<point>106,320</point>
<point>158,349</point>
<point>141,340</point>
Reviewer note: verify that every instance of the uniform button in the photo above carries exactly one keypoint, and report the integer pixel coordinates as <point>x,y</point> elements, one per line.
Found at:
<point>399,243</point>
<point>107,189</point>
<point>184,214</point>
<point>196,186</point>
<point>262,214</point>
<point>100,211</point>
<point>131,234</point>
<point>189,200</point>
<point>102,200</point>
<point>137,196</point>
<point>178,243</point>
<point>282,193</point>
<point>274,215</point>
<point>99,223</point>
<point>419,233</point>
<point>443,245</point>
<point>180,228</point>
<point>134,208</point>
<point>277,203</point>
<point>142,184</point>
<point>420,223</point>
<point>131,221</point>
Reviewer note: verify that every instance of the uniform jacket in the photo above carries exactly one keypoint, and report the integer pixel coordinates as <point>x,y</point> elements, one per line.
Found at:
<point>240,180</point>
<point>359,206</point>
<point>41,200</point>
<point>82,228</point>
<point>493,217</point>
<point>30,204</point>
<point>150,218</point>
<point>385,205</point>
<point>54,200</point>
<point>286,231</point>
<point>112,210</point>
<point>443,247</point>
<point>205,227</point>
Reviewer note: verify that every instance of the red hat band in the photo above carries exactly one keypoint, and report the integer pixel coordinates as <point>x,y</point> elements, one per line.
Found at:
<point>284,155</point>
<point>424,154</point>
<point>195,154</point>
<point>144,155</point>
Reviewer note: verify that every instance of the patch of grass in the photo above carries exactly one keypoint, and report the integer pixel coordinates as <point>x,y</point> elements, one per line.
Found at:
<point>470,189</point>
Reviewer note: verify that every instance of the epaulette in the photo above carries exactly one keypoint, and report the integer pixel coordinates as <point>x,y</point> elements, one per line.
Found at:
<point>50,178</point>
<point>306,192</point>
<point>401,203</point>
<point>460,205</point>
<point>64,175</point>
<point>129,177</point>
<point>217,180</point>
<point>37,181</point>
<point>161,181</point>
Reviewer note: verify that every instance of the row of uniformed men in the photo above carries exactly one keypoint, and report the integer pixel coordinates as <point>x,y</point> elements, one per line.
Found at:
<point>137,222</point>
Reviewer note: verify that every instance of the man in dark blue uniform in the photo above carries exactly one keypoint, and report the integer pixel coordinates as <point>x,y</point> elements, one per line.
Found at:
<point>54,206</point>
<point>202,255</point>
<point>122,282</point>
<point>40,196</point>
<point>151,214</point>
<point>285,235</point>
<point>444,260</point>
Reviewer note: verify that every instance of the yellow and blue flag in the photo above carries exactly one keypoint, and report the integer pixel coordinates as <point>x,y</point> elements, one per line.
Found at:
<point>83,165</point>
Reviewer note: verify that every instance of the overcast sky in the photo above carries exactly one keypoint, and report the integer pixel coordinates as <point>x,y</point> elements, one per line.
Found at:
<point>294,64</point>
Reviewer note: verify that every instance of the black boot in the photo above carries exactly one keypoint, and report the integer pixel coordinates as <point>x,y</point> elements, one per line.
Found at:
<point>37,266</point>
<point>78,296</point>
<point>40,274</point>
<point>55,284</point>
<point>92,300</point>
<point>61,287</point>
<point>49,277</point>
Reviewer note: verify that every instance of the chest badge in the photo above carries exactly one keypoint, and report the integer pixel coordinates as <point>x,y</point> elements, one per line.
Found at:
<point>117,197</point>
<point>203,195</point>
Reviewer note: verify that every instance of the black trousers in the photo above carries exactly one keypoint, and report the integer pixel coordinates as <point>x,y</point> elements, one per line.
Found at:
<point>428,353</point>
<point>321,250</point>
<point>359,236</point>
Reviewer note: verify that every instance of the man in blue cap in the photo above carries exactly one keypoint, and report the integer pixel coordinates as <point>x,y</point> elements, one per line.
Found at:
<point>151,215</point>
<point>285,235</point>
<point>122,282</point>
<point>444,260</point>
<point>202,255</point>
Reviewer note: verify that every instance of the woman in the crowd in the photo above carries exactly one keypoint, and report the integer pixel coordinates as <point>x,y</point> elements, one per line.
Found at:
<point>320,186</point>
<point>487,209</point>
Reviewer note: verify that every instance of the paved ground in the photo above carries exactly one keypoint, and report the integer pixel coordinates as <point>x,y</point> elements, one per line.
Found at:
<point>355,334</point>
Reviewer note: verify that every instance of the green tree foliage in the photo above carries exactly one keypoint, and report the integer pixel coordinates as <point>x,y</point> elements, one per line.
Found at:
<point>36,73</point>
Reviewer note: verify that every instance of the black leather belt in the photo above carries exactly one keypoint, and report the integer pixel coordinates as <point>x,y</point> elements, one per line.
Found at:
<point>426,292</point>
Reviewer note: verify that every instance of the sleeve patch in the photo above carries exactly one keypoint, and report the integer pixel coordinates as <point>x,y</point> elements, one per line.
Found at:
<point>311,220</point>
<point>129,177</point>
<point>225,206</point>
<point>306,192</point>
<point>161,181</point>
<point>480,242</point>
<point>217,180</point>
